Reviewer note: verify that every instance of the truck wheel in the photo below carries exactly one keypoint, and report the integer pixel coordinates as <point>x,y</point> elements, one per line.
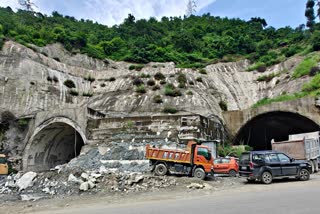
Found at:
<point>160,169</point>
<point>304,175</point>
<point>232,173</point>
<point>266,177</point>
<point>199,173</point>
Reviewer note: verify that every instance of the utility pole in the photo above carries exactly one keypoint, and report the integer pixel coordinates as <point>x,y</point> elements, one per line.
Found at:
<point>27,5</point>
<point>191,8</point>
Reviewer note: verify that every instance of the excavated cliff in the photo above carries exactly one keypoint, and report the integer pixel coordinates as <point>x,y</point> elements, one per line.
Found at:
<point>32,80</point>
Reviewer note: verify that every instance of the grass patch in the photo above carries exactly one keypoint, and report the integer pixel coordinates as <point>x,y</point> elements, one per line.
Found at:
<point>281,98</point>
<point>170,110</point>
<point>267,78</point>
<point>313,85</point>
<point>305,67</point>
<point>141,89</point>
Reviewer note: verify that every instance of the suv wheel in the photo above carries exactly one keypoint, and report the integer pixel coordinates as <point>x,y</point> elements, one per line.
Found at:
<point>266,177</point>
<point>160,169</point>
<point>232,173</point>
<point>304,175</point>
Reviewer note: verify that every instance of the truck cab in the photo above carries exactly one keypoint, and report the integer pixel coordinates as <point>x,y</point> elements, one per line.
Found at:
<point>3,165</point>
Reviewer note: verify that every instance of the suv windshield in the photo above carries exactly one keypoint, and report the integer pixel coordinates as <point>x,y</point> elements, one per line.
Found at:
<point>245,158</point>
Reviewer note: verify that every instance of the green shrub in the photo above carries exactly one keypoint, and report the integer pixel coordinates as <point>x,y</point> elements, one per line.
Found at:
<point>259,66</point>
<point>141,89</point>
<point>189,93</point>
<point>136,67</point>
<point>143,75</point>
<point>87,94</point>
<point>191,82</point>
<point>23,122</point>
<point>69,83</point>
<point>74,92</point>
<point>157,99</point>
<point>49,79</point>
<point>112,79</point>
<point>314,70</point>
<point>171,91</point>
<point>304,67</point>
<point>155,88</point>
<point>182,79</point>
<point>151,82</point>
<point>170,110</point>
<point>223,105</point>
<point>89,78</point>
<point>163,82</point>
<point>137,81</point>
<point>55,79</point>
<point>203,71</point>
<point>103,85</point>
<point>199,79</point>
<point>159,76</point>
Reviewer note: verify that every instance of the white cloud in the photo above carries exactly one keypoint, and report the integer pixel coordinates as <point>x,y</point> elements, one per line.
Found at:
<point>112,12</point>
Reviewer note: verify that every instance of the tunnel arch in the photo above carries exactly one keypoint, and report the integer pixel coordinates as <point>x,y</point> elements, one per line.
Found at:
<point>278,125</point>
<point>55,141</point>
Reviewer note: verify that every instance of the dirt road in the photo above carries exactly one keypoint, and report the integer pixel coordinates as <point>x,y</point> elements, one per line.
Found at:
<point>280,197</point>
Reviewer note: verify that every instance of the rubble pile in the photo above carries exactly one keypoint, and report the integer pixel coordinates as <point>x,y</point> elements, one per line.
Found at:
<point>60,183</point>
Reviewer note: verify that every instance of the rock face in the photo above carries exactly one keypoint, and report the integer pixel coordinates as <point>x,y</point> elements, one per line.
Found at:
<point>32,80</point>
<point>49,81</point>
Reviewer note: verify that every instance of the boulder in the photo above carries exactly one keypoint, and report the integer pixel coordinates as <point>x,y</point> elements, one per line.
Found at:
<point>74,179</point>
<point>26,180</point>
<point>84,186</point>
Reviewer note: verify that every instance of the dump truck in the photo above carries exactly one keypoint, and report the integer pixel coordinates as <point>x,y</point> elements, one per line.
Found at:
<point>196,160</point>
<point>304,146</point>
<point>3,165</point>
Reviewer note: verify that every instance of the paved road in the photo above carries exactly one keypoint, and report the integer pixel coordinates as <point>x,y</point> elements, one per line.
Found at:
<point>281,197</point>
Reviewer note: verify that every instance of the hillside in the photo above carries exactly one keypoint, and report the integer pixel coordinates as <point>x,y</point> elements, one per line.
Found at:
<point>195,41</point>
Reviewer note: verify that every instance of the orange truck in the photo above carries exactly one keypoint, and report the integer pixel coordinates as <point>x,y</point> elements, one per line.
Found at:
<point>196,160</point>
<point>3,165</point>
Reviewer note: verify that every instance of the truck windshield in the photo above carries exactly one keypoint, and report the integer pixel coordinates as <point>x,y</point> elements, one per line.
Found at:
<point>203,152</point>
<point>3,160</point>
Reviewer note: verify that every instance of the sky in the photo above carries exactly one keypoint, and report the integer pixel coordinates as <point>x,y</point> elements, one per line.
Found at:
<point>278,13</point>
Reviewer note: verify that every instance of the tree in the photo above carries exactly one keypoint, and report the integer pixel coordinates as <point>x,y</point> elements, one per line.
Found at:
<point>309,13</point>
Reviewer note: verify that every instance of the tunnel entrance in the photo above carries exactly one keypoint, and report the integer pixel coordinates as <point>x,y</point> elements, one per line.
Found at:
<point>55,144</point>
<point>259,131</point>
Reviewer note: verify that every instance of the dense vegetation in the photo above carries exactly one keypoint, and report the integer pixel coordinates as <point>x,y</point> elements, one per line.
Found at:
<point>189,42</point>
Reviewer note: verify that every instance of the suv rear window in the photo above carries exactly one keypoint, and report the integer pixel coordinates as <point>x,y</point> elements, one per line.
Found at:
<point>245,158</point>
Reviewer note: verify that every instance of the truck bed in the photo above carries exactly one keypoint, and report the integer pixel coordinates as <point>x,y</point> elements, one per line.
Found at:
<point>304,149</point>
<point>172,155</point>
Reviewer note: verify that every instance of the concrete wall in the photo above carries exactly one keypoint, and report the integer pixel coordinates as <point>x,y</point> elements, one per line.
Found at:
<point>306,107</point>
